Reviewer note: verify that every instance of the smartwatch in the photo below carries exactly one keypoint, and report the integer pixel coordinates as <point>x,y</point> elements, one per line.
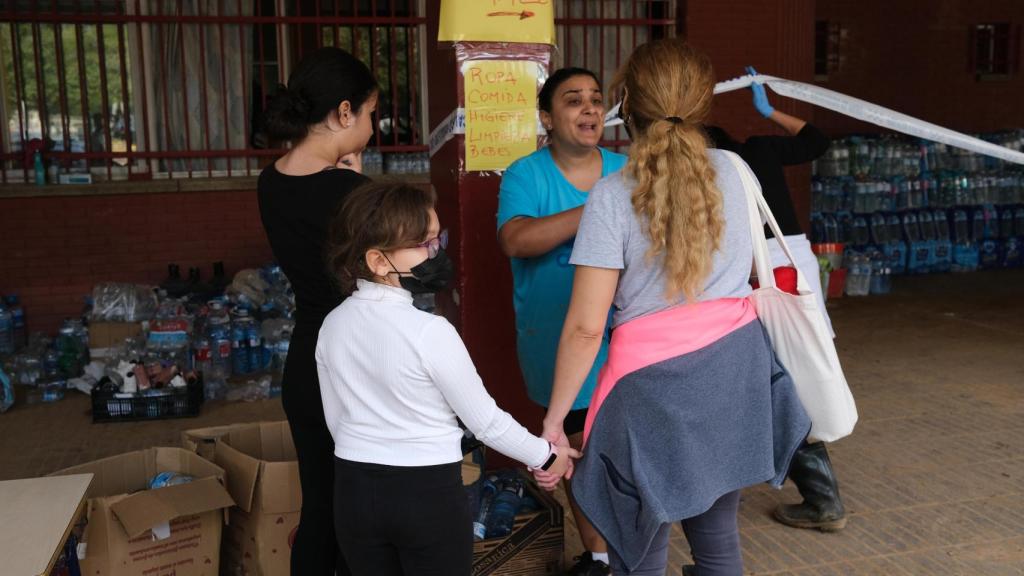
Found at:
<point>551,458</point>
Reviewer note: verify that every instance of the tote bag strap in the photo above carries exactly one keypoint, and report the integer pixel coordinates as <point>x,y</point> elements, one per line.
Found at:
<point>756,207</point>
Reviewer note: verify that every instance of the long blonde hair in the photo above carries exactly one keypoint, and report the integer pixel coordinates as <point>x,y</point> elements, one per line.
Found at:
<point>667,88</point>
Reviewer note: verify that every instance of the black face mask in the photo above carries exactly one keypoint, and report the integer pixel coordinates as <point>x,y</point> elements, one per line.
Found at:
<point>431,275</point>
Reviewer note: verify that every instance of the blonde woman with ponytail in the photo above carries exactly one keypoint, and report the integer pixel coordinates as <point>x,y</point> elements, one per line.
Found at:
<point>691,405</point>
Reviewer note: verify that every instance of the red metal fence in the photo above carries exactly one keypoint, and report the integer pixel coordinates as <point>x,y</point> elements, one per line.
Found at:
<point>140,89</point>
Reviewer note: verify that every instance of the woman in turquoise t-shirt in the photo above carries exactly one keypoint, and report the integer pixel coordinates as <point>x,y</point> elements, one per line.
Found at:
<point>539,209</point>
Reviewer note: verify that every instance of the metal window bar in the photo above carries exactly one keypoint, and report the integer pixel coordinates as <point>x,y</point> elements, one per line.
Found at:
<point>141,89</point>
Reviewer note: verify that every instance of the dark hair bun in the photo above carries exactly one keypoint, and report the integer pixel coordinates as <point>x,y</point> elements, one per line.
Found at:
<point>287,115</point>
<point>323,80</point>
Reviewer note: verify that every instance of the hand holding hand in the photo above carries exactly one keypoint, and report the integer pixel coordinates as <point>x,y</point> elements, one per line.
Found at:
<point>562,467</point>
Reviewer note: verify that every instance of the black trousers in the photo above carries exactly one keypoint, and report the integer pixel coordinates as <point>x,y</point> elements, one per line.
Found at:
<point>315,549</point>
<point>403,521</point>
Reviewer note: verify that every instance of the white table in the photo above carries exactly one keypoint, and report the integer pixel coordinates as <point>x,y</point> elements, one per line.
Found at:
<point>36,517</point>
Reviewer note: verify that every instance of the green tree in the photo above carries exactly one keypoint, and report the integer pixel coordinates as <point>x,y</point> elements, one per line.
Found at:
<point>36,44</point>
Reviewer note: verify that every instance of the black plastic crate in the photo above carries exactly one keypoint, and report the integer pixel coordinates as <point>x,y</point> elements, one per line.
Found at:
<point>184,403</point>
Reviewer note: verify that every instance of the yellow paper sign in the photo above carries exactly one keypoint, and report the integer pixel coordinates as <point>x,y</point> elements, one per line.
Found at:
<point>530,21</point>
<point>501,112</point>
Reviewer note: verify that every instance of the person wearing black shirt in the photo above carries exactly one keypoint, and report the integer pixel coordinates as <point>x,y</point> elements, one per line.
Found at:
<point>326,113</point>
<point>811,469</point>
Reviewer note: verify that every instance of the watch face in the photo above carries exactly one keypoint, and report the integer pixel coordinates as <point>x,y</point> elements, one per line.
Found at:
<point>551,460</point>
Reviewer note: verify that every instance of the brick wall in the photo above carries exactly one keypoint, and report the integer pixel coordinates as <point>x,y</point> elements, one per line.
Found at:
<point>774,36</point>
<point>56,248</point>
<point>915,57</point>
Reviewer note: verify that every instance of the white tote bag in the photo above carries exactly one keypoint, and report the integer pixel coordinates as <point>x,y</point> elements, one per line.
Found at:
<point>799,335</point>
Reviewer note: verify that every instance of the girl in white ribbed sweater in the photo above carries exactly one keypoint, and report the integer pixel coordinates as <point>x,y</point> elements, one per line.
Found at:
<point>394,380</point>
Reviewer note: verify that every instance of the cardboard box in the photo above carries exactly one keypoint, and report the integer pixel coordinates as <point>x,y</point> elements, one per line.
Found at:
<point>171,531</point>
<point>103,336</point>
<point>263,478</point>
<point>535,546</point>
<point>203,441</point>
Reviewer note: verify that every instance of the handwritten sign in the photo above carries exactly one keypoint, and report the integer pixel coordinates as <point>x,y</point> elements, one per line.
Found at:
<point>501,112</point>
<point>530,21</point>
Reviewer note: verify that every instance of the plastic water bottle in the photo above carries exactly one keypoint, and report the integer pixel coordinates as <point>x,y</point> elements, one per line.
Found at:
<point>502,515</point>
<point>879,231</point>
<point>860,235</point>
<point>267,350</point>
<point>988,243</point>
<point>69,350</point>
<point>1013,247</point>
<point>39,168</point>
<point>965,249</point>
<point>487,491</point>
<point>255,345</point>
<point>979,227</point>
<point>917,257</point>
<point>928,238</point>
<point>6,331</point>
<point>943,246</point>
<point>896,248</point>
<point>18,319</point>
<point>240,343</point>
<point>6,391</point>
<point>881,279</point>
<point>202,356</point>
<point>281,354</point>
<point>831,229</point>
<point>53,391</point>
<point>164,479</point>
<point>219,335</point>
<point>858,281</point>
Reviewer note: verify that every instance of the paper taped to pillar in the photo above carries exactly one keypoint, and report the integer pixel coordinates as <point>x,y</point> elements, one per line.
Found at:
<point>501,112</point>
<point>528,21</point>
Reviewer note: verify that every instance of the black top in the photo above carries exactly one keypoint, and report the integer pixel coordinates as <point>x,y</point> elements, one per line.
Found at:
<point>296,212</point>
<point>767,155</point>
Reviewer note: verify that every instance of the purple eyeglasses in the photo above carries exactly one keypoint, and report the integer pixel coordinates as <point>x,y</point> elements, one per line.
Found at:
<point>435,244</point>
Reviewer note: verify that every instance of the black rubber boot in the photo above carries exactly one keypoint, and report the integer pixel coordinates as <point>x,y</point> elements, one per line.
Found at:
<point>822,508</point>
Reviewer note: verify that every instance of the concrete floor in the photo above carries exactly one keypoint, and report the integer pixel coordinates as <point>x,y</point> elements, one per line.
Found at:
<point>933,477</point>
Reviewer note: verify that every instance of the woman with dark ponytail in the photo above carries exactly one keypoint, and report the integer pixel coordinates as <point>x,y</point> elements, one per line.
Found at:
<point>326,112</point>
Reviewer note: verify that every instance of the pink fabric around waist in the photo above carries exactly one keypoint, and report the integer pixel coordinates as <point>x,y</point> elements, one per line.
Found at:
<point>663,335</point>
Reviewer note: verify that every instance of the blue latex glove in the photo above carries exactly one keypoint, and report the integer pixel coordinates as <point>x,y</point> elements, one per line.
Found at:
<point>760,96</point>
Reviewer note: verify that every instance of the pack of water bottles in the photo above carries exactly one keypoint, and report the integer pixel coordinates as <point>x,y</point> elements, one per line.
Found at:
<point>961,239</point>
<point>231,333</point>
<point>228,340</point>
<point>44,366</point>
<point>909,207</point>
<point>943,190</point>
<point>374,162</point>
<point>890,155</point>
<point>219,329</point>
<point>245,334</point>
<point>517,527</point>
<point>514,532</point>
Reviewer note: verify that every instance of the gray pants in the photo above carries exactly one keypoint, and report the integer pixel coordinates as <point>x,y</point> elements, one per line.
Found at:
<point>714,539</point>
